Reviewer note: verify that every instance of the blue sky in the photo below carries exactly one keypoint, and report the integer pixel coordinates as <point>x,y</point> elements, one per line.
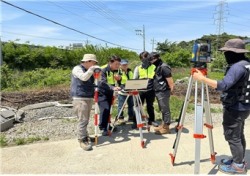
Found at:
<point>116,21</point>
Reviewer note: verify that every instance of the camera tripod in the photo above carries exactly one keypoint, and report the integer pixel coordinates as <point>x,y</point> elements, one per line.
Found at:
<point>139,113</point>
<point>198,127</point>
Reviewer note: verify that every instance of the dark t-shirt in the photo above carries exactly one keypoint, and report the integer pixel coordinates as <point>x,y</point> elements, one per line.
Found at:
<point>166,72</point>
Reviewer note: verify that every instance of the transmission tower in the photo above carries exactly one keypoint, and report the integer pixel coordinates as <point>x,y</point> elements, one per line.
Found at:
<point>221,10</point>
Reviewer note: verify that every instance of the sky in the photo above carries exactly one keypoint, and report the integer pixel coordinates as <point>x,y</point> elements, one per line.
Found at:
<point>116,23</point>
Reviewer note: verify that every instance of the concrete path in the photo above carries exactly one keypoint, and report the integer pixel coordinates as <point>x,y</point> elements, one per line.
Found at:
<point>119,154</point>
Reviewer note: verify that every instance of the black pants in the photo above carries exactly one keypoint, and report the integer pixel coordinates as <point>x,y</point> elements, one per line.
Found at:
<point>149,96</point>
<point>233,125</point>
<point>104,103</point>
<point>163,103</point>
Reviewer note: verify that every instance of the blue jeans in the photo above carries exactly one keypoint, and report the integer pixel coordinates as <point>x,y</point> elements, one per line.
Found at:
<point>121,100</point>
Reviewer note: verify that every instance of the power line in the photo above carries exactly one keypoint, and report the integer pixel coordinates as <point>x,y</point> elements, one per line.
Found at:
<point>65,26</point>
<point>102,10</point>
<point>80,16</point>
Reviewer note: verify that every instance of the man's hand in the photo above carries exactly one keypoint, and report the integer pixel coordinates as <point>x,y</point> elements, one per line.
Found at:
<point>117,77</point>
<point>117,88</point>
<point>92,68</point>
<point>197,75</point>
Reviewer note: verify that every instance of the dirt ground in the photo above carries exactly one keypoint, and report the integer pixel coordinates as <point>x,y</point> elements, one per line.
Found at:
<point>61,93</point>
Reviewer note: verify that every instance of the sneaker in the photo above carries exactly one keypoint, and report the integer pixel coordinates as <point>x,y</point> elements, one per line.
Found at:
<point>226,161</point>
<point>233,169</point>
<point>229,162</point>
<point>85,144</point>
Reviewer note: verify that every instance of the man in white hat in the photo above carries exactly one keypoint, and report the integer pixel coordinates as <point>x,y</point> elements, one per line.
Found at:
<point>235,98</point>
<point>82,92</point>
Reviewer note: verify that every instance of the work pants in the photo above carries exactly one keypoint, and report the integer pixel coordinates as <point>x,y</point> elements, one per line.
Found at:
<point>233,125</point>
<point>149,96</point>
<point>82,110</point>
<point>104,103</point>
<point>163,103</point>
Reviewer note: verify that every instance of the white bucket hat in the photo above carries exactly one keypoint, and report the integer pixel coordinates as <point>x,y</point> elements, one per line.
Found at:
<point>235,45</point>
<point>89,57</point>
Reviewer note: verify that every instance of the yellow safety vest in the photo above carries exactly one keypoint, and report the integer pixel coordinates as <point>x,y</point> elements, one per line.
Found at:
<point>125,76</point>
<point>110,76</point>
<point>146,73</point>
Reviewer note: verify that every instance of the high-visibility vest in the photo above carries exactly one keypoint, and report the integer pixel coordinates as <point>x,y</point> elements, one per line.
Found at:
<point>127,76</point>
<point>146,73</point>
<point>109,74</point>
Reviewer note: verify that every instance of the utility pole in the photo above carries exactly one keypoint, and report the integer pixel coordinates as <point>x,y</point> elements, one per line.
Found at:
<point>142,33</point>
<point>219,21</point>
<point>153,42</point>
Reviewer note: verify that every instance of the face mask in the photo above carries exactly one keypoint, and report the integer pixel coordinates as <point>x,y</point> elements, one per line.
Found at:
<point>145,63</point>
<point>232,57</point>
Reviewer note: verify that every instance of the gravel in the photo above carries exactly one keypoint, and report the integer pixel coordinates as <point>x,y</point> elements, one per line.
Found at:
<point>50,123</point>
<point>59,123</point>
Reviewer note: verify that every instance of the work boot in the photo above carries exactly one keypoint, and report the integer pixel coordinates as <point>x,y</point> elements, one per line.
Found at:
<point>85,144</point>
<point>159,127</point>
<point>91,139</point>
<point>164,130</point>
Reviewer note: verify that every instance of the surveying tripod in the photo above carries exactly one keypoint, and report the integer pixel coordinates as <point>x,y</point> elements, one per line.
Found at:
<point>139,113</point>
<point>96,75</point>
<point>198,128</point>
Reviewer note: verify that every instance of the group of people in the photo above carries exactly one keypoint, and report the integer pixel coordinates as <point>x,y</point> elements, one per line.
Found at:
<point>235,100</point>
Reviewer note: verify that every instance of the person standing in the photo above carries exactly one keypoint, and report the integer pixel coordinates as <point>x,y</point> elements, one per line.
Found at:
<point>107,85</point>
<point>82,93</point>
<point>126,74</point>
<point>235,100</point>
<point>147,71</point>
<point>163,86</point>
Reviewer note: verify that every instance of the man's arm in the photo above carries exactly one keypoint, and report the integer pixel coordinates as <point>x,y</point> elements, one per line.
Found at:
<point>84,76</point>
<point>170,82</point>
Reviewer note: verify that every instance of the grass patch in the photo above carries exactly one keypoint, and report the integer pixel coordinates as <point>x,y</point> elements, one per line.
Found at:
<point>3,140</point>
<point>31,139</point>
<point>180,73</point>
<point>69,120</point>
